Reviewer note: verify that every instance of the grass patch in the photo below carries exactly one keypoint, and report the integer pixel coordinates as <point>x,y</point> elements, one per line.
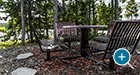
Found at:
<point>2,29</point>
<point>8,44</point>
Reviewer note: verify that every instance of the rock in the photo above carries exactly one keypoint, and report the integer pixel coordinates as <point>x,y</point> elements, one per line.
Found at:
<point>1,56</point>
<point>24,71</point>
<point>100,68</point>
<point>138,51</point>
<point>24,56</point>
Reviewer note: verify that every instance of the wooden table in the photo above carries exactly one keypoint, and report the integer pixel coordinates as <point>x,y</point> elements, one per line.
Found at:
<point>84,35</point>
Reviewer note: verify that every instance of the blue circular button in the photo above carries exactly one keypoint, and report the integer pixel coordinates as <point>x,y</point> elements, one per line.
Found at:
<point>121,56</point>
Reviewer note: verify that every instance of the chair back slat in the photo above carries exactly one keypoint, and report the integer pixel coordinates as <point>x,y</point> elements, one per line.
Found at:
<point>124,33</point>
<point>67,31</point>
<point>135,30</point>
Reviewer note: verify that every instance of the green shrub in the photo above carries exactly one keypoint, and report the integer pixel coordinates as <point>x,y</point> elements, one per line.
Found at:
<point>3,29</point>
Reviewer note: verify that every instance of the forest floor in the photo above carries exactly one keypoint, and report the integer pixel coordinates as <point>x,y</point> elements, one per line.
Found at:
<point>59,66</point>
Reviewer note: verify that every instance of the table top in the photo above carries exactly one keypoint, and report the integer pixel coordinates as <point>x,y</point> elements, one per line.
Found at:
<point>85,26</point>
<point>50,42</point>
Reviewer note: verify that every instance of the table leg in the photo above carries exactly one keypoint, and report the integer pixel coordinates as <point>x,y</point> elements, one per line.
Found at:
<point>84,41</point>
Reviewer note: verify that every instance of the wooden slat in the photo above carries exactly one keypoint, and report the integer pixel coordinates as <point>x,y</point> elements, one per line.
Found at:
<point>136,32</point>
<point>121,32</point>
<point>131,28</point>
<point>68,31</point>
<point>125,33</point>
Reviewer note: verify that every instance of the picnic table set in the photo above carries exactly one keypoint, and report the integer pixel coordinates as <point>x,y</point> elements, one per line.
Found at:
<point>123,34</point>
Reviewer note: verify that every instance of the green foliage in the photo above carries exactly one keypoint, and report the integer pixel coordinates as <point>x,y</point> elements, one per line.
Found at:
<point>3,29</point>
<point>7,44</point>
<point>94,12</point>
<point>123,1</point>
<point>41,16</point>
<point>104,13</point>
<point>131,10</point>
<point>1,4</point>
<point>40,13</point>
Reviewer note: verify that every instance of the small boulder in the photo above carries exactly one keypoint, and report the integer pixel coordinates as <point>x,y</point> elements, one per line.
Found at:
<point>24,71</point>
<point>1,56</point>
<point>138,51</point>
<point>24,56</point>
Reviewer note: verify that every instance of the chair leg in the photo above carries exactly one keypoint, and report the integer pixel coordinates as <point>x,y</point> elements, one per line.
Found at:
<point>111,63</point>
<point>48,55</point>
<point>69,44</point>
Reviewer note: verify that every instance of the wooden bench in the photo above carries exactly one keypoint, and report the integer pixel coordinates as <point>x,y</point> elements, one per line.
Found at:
<point>48,46</point>
<point>68,35</point>
<point>124,34</point>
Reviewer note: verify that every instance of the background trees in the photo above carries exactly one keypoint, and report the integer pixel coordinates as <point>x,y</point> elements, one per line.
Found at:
<point>131,10</point>
<point>40,14</point>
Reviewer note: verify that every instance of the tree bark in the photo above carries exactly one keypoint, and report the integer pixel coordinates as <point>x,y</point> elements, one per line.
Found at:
<point>23,24</point>
<point>76,12</point>
<point>55,9</point>
<point>63,2</point>
<point>112,6</point>
<point>89,12</point>
<point>30,21</point>
<point>116,9</point>
<point>47,28</point>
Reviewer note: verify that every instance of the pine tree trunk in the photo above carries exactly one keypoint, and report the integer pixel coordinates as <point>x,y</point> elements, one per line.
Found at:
<point>30,22</point>
<point>112,6</point>
<point>94,12</point>
<point>63,2</point>
<point>89,12</point>
<point>55,7</point>
<point>116,9</point>
<point>23,25</point>
<point>76,12</point>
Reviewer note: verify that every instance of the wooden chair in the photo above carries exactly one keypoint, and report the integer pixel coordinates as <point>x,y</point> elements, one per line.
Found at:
<point>124,34</point>
<point>46,45</point>
<point>68,35</point>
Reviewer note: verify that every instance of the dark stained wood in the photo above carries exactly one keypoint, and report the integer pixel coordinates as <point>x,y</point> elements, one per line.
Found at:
<point>69,31</point>
<point>43,42</point>
<point>124,33</point>
<point>46,43</point>
<point>36,37</point>
<point>84,41</point>
<point>84,35</point>
<point>68,34</point>
<point>85,26</point>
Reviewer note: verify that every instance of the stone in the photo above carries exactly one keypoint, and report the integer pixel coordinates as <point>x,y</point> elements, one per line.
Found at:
<point>1,56</point>
<point>138,51</point>
<point>24,71</point>
<point>24,56</point>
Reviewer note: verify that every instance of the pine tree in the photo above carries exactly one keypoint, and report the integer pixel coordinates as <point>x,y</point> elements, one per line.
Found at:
<point>131,10</point>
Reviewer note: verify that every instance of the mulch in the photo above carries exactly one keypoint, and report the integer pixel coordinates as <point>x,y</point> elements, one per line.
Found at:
<point>58,65</point>
<point>82,65</point>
